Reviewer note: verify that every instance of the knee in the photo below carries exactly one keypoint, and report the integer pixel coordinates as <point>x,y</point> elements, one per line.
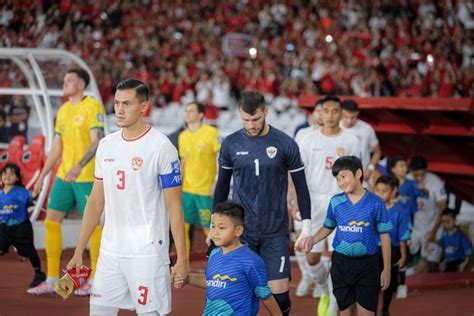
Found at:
<point>284,302</point>
<point>313,258</point>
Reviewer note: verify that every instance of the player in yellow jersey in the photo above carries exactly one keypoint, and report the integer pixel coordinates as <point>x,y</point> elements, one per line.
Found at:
<point>198,148</point>
<point>79,127</point>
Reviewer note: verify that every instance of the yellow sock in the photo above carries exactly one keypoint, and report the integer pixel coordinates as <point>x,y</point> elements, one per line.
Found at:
<point>94,245</point>
<point>187,227</point>
<point>53,240</point>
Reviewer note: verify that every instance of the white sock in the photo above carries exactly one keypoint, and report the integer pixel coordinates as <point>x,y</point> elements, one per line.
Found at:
<point>332,299</point>
<point>51,280</point>
<point>303,264</point>
<point>326,260</point>
<point>319,274</point>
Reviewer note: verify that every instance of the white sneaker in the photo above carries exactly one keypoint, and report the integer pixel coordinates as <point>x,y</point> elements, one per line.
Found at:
<point>317,291</point>
<point>402,291</point>
<point>303,287</point>
<point>44,288</point>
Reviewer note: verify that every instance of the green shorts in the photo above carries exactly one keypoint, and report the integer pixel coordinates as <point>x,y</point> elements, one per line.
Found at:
<point>65,195</point>
<point>197,209</point>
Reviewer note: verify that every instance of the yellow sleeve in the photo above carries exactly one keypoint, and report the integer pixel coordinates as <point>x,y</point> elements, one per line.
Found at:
<point>97,116</point>
<point>180,144</point>
<point>59,124</point>
<point>216,145</point>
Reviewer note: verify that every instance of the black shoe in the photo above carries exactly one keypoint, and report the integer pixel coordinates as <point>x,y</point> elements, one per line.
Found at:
<point>38,278</point>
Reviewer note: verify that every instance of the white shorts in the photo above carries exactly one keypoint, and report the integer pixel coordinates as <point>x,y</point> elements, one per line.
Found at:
<point>319,208</point>
<point>142,284</point>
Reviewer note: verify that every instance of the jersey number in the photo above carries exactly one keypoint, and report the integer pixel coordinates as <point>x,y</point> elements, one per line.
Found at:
<point>257,167</point>
<point>282,264</point>
<point>121,180</point>
<point>329,162</point>
<point>143,294</point>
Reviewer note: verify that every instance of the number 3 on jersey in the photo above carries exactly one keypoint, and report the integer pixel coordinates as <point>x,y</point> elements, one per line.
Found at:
<point>121,180</point>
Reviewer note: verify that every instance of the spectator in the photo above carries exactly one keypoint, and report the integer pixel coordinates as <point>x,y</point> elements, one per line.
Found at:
<point>17,117</point>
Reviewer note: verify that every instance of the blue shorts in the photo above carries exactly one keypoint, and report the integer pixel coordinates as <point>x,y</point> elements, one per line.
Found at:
<point>275,254</point>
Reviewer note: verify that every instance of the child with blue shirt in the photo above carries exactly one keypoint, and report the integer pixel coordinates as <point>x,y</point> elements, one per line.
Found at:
<point>456,246</point>
<point>15,225</point>
<point>361,222</point>
<point>235,279</point>
<point>385,186</point>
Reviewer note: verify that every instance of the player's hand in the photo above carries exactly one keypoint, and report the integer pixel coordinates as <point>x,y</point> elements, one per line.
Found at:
<point>37,188</point>
<point>179,272</point>
<point>72,174</point>
<point>304,243</point>
<point>75,262</point>
<point>430,236</point>
<point>385,279</point>
<point>401,263</point>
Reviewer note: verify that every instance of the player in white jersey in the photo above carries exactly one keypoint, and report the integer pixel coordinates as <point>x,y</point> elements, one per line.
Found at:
<point>369,143</point>
<point>316,122</point>
<point>319,150</point>
<point>427,220</point>
<point>138,185</point>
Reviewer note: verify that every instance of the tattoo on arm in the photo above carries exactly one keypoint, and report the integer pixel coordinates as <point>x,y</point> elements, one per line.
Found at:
<point>90,153</point>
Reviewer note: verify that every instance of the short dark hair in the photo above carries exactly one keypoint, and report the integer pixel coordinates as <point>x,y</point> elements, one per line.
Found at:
<point>351,163</point>
<point>231,209</point>
<point>16,170</point>
<point>391,181</point>
<point>251,101</point>
<point>331,98</point>
<point>392,161</point>
<point>81,73</point>
<point>200,107</point>
<point>140,88</point>
<point>350,106</point>
<point>418,163</point>
<point>449,212</point>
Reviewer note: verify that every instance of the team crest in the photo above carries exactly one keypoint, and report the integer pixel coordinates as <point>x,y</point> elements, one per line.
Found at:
<point>78,120</point>
<point>271,152</point>
<point>136,163</point>
<point>340,151</point>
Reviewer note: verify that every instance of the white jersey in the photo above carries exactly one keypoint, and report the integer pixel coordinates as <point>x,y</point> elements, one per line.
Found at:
<point>428,205</point>
<point>305,131</point>
<point>319,152</point>
<point>135,173</point>
<point>367,138</point>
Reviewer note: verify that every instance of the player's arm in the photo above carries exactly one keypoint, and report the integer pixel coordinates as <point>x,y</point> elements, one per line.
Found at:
<point>386,255</point>
<point>271,306</point>
<point>221,192</point>
<point>96,135</point>
<point>53,157</point>
<point>90,220</point>
<point>197,279</point>
<point>173,205</point>
<point>376,155</point>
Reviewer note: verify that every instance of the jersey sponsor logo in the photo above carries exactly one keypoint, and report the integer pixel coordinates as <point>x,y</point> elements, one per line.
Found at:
<point>175,166</point>
<point>8,209</point>
<point>109,159</point>
<point>353,227</point>
<point>271,151</point>
<point>220,281</point>
<point>136,163</point>
<point>340,151</point>
<point>242,153</point>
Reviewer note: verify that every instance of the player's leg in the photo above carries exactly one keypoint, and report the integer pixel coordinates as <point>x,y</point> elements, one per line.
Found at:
<point>306,280</point>
<point>387,295</point>
<point>110,290</point>
<point>343,277</point>
<point>191,217</point>
<point>350,311</point>
<point>275,254</point>
<point>367,283</point>
<point>150,290</point>
<point>22,239</point>
<point>4,239</point>
<point>81,193</point>
<point>61,201</point>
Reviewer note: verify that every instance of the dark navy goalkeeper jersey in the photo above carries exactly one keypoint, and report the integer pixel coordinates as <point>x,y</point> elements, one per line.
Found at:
<point>260,167</point>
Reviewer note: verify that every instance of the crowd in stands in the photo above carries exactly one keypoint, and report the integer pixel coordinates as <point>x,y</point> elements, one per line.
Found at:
<point>421,48</point>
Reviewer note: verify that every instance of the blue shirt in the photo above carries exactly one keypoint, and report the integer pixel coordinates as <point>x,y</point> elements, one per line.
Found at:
<point>409,193</point>
<point>14,206</point>
<point>260,167</point>
<point>358,225</point>
<point>455,246</point>
<point>400,220</point>
<point>235,282</point>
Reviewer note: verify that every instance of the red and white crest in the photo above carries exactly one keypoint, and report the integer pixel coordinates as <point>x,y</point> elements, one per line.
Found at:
<point>136,163</point>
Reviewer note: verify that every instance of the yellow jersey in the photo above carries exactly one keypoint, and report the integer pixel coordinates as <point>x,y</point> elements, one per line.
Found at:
<point>73,124</point>
<point>199,150</point>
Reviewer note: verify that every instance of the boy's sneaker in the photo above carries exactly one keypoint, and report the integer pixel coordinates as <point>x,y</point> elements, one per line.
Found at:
<point>303,287</point>
<point>317,292</point>
<point>323,304</point>
<point>84,290</point>
<point>402,291</point>
<point>44,288</point>
<point>37,279</point>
